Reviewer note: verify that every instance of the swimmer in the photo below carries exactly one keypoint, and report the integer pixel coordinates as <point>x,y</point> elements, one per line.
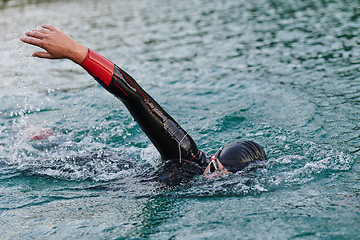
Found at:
<point>182,158</point>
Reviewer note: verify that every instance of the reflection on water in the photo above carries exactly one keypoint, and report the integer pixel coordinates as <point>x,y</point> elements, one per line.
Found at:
<point>17,3</point>
<point>282,73</point>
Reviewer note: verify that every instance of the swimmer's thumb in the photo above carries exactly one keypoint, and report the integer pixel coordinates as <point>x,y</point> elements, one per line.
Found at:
<point>42,55</point>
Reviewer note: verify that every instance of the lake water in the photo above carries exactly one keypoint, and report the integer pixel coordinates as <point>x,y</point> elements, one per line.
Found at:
<point>283,73</point>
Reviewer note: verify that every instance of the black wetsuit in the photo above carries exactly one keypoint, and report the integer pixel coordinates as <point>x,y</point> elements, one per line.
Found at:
<point>182,159</point>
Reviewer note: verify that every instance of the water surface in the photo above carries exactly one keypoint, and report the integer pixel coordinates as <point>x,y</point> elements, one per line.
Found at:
<point>282,73</point>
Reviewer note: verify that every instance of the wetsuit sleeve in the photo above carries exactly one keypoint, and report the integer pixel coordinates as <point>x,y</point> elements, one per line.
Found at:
<point>165,133</point>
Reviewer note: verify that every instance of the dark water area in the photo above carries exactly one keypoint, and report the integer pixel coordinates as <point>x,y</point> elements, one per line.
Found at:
<point>282,73</point>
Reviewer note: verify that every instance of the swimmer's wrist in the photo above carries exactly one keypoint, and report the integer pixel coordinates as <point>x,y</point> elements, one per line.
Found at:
<point>78,54</point>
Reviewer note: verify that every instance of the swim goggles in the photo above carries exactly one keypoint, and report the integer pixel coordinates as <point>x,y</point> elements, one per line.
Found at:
<point>213,166</point>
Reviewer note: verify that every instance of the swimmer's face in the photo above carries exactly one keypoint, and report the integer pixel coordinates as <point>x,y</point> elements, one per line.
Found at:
<point>219,169</point>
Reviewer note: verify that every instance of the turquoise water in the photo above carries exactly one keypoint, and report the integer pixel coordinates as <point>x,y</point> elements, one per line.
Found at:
<point>282,73</point>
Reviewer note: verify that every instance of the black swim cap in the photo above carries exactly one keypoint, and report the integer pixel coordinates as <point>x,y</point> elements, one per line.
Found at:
<point>238,154</point>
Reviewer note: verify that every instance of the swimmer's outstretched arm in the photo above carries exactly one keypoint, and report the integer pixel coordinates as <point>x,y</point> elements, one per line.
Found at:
<point>169,138</point>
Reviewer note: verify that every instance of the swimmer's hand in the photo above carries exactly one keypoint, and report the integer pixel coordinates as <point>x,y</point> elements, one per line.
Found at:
<point>57,44</point>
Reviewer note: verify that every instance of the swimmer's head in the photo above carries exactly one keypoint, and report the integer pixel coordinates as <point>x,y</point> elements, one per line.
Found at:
<point>238,154</point>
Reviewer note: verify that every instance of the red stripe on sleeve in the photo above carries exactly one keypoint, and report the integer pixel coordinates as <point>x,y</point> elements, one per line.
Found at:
<point>98,66</point>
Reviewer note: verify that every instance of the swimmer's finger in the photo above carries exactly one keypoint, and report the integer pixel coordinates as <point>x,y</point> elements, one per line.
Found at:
<point>49,27</point>
<point>44,31</point>
<point>32,41</point>
<point>42,55</point>
<point>35,34</point>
